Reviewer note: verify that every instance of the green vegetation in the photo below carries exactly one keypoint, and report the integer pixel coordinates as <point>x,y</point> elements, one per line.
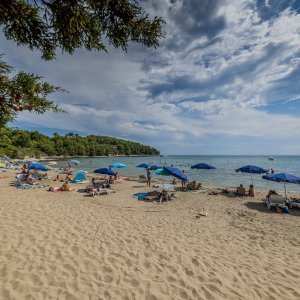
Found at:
<point>48,26</point>
<point>17,143</point>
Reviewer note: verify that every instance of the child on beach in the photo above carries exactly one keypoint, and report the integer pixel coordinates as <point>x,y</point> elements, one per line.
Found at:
<point>251,191</point>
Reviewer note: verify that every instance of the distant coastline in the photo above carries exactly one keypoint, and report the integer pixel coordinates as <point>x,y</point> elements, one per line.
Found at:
<point>46,158</point>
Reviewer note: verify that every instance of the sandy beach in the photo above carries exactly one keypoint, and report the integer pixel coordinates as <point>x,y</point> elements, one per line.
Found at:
<point>69,246</point>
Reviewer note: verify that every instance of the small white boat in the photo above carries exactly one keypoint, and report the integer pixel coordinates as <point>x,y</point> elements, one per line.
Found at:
<point>270,158</point>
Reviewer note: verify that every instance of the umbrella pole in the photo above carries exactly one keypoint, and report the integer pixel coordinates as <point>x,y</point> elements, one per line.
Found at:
<point>285,190</point>
<point>251,178</point>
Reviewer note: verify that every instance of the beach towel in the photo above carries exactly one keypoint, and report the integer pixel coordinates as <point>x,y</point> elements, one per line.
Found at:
<point>141,195</point>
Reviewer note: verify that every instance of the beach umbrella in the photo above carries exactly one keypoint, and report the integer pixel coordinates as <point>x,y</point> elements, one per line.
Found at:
<point>176,173</point>
<point>282,177</point>
<point>5,158</point>
<point>74,161</point>
<point>40,167</point>
<point>117,165</point>
<point>105,171</point>
<point>162,172</point>
<point>251,169</point>
<point>202,166</point>
<point>155,167</point>
<point>145,166</point>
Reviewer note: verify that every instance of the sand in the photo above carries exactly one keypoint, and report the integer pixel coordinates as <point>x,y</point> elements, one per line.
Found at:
<point>69,246</point>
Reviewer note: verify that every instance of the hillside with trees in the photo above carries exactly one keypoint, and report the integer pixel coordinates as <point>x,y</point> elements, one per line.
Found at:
<point>17,143</point>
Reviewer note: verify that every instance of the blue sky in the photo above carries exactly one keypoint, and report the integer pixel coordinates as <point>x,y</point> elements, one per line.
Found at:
<point>225,80</point>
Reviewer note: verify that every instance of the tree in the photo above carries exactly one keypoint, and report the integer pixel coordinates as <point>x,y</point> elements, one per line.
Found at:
<point>67,25</point>
<point>23,92</point>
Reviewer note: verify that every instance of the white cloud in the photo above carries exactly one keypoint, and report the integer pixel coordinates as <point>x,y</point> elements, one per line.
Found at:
<point>214,82</point>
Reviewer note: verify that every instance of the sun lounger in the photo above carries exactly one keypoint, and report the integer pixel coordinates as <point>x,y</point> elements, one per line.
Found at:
<point>275,201</point>
<point>294,203</point>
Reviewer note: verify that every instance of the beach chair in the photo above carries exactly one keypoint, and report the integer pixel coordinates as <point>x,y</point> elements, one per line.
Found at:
<point>275,201</point>
<point>294,203</point>
<point>142,179</point>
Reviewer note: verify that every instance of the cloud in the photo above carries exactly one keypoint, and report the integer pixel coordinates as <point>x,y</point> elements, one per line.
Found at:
<point>221,73</point>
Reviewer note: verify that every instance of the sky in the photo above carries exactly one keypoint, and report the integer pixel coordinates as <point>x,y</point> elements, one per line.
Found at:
<point>224,80</point>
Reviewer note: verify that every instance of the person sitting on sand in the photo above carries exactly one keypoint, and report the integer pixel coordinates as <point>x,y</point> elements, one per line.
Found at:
<point>271,192</point>
<point>69,178</point>
<point>163,196</point>
<point>240,191</point>
<point>251,191</point>
<point>30,180</point>
<point>191,185</point>
<point>66,188</point>
<point>111,180</point>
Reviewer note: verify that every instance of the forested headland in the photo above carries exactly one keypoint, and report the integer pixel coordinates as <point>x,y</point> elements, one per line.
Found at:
<point>18,143</point>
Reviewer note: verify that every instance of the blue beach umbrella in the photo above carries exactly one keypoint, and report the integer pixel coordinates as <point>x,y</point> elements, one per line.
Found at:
<point>155,167</point>
<point>282,177</point>
<point>117,165</point>
<point>145,166</point>
<point>202,166</point>
<point>162,172</point>
<point>251,169</point>
<point>40,167</point>
<point>105,171</point>
<point>176,173</point>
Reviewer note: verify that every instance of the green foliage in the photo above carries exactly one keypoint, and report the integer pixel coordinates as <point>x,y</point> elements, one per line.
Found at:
<point>70,24</point>
<point>23,92</point>
<point>17,143</point>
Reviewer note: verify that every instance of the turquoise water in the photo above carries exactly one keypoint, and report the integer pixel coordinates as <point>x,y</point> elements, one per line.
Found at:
<point>223,175</point>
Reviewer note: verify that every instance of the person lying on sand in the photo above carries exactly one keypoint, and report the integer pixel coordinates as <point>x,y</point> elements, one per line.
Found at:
<point>192,186</point>
<point>64,188</point>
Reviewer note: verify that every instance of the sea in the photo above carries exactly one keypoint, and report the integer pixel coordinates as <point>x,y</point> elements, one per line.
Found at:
<point>224,175</point>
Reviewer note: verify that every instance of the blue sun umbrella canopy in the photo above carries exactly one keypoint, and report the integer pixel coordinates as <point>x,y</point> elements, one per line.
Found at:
<point>39,167</point>
<point>117,165</point>
<point>79,177</point>
<point>251,169</point>
<point>202,166</point>
<point>105,171</point>
<point>162,172</point>
<point>282,177</point>
<point>148,166</point>
<point>74,161</point>
<point>176,173</point>
<point>155,167</point>
<point>145,166</point>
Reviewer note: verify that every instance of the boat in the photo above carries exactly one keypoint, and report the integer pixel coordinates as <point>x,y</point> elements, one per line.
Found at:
<point>270,158</point>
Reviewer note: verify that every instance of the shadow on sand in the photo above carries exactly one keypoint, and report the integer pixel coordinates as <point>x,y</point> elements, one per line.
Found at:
<point>261,207</point>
